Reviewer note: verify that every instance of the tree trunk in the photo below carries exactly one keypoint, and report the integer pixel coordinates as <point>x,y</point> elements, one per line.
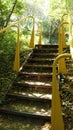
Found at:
<point>8,19</point>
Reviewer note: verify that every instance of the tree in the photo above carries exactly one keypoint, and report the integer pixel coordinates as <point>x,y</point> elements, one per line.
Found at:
<point>6,10</point>
<point>10,10</point>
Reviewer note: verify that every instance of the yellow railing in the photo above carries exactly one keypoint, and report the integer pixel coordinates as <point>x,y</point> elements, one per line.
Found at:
<point>62,44</point>
<point>56,118</point>
<point>17,54</point>
<point>62,18</point>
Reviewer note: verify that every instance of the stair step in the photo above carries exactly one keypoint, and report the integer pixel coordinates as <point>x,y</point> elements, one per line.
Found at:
<point>46,46</point>
<point>37,68</point>
<point>46,50</point>
<point>26,108</point>
<point>26,114</point>
<point>44,55</point>
<point>31,88</point>
<point>40,61</point>
<point>32,84</point>
<point>34,76</point>
<point>30,96</point>
<point>8,122</point>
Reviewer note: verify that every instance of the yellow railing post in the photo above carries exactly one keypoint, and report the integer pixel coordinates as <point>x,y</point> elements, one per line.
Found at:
<point>32,35</point>
<point>17,54</point>
<point>56,116</point>
<point>62,44</point>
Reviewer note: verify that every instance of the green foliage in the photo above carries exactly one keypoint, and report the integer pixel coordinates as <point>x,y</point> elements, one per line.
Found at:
<point>24,42</point>
<point>10,10</point>
<point>20,8</point>
<point>69,6</point>
<point>6,10</point>
<point>46,28</point>
<point>50,29</point>
<point>57,8</point>
<point>8,42</point>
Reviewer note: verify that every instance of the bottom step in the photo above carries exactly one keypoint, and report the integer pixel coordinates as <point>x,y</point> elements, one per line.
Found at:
<point>25,114</point>
<point>27,108</point>
<point>14,123</point>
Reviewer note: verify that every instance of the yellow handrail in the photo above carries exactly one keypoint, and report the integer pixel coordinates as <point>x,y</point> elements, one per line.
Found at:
<point>9,26</point>
<point>15,23</point>
<point>63,16</point>
<point>17,56</point>
<point>62,34</point>
<point>62,44</point>
<point>17,53</point>
<point>32,35</point>
<point>56,118</point>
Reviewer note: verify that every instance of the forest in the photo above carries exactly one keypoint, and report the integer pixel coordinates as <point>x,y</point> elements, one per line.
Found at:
<point>48,16</point>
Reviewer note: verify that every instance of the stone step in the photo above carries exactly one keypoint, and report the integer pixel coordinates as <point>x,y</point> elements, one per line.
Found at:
<point>35,76</point>
<point>37,68</point>
<point>40,61</point>
<point>46,50</point>
<point>26,108</point>
<point>8,122</point>
<point>44,55</point>
<point>46,46</point>
<point>32,85</point>
<point>19,114</point>
<point>30,96</point>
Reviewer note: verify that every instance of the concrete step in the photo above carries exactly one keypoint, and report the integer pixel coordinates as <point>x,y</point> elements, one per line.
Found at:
<point>46,50</point>
<point>32,85</point>
<point>44,55</point>
<point>10,122</point>
<point>40,61</point>
<point>34,76</point>
<point>31,96</point>
<point>27,109</point>
<point>46,46</point>
<point>37,68</point>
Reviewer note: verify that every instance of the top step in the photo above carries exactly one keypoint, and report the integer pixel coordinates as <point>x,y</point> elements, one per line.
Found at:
<point>46,46</point>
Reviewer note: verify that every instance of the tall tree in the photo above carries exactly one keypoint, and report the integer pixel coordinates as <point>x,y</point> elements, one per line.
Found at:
<point>6,10</point>
<point>10,9</point>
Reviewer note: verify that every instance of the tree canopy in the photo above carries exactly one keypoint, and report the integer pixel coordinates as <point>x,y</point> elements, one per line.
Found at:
<point>48,12</point>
